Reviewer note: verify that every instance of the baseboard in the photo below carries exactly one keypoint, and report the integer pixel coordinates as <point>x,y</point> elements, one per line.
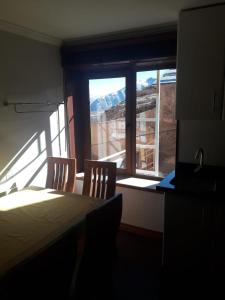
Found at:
<point>141,231</point>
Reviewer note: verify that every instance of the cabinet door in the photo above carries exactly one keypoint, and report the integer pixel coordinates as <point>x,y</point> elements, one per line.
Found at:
<point>200,67</point>
<point>186,242</point>
<point>218,235</point>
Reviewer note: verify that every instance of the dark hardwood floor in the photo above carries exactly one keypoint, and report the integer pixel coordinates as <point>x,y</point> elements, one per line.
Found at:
<point>136,271</point>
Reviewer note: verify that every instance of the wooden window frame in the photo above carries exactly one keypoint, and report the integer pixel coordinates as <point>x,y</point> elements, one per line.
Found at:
<point>152,65</point>
<point>115,74</point>
<point>77,86</point>
<point>129,72</point>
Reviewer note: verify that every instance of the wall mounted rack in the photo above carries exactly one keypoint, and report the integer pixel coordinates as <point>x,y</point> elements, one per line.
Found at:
<point>19,106</point>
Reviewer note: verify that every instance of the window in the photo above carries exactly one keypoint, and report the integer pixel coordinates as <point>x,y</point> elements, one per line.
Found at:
<point>107,98</point>
<point>155,123</point>
<point>132,120</point>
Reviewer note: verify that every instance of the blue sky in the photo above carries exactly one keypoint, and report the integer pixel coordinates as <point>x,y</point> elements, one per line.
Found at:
<point>102,87</point>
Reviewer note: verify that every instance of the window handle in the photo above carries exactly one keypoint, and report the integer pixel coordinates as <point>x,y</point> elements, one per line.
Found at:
<point>214,102</point>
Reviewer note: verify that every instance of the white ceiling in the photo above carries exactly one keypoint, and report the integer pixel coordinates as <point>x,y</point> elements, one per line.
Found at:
<point>74,19</point>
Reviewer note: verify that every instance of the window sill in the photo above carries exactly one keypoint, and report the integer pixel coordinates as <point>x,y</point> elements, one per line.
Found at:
<point>133,183</point>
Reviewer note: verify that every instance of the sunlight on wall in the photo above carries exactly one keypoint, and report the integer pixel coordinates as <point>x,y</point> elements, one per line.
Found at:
<point>42,141</point>
<point>58,133</point>
<point>28,166</point>
<point>23,167</point>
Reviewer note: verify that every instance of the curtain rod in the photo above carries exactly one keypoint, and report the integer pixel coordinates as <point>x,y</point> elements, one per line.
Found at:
<point>15,104</point>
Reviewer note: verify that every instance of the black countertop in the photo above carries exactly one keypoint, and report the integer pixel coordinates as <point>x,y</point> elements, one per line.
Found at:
<point>209,180</point>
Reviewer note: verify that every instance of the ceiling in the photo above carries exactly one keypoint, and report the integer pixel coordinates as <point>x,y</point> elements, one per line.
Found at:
<point>75,19</point>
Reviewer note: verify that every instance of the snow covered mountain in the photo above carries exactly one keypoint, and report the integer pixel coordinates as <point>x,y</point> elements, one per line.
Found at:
<point>105,102</point>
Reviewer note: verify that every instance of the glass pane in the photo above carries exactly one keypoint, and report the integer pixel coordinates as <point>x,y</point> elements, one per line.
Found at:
<point>167,122</point>
<point>155,124</point>
<point>108,111</point>
<point>147,95</point>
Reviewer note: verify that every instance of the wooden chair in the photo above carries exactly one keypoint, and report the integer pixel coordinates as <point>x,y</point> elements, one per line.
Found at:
<point>93,277</point>
<point>99,179</point>
<point>61,173</point>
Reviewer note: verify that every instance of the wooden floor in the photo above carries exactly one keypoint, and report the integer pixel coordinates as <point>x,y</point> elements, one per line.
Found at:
<point>138,267</point>
<point>136,273</point>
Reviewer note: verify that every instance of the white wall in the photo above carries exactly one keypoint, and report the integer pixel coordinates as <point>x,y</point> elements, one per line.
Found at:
<point>30,72</point>
<point>140,208</point>
<point>210,135</point>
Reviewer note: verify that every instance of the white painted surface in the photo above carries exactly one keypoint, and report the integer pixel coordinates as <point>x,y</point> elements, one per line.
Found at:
<point>26,32</point>
<point>200,64</point>
<point>30,72</point>
<point>200,86</point>
<point>139,182</point>
<point>206,134</point>
<point>82,18</point>
<point>140,208</point>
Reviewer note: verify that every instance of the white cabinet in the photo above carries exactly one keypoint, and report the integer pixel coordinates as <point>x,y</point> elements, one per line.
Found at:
<point>201,64</point>
<point>205,134</point>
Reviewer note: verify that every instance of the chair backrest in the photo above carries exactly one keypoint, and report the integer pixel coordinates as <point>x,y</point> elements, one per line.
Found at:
<point>99,179</point>
<point>61,173</point>
<point>95,268</point>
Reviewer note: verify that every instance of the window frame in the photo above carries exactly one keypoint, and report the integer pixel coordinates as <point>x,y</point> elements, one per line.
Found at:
<point>105,74</point>
<point>128,71</point>
<point>154,65</point>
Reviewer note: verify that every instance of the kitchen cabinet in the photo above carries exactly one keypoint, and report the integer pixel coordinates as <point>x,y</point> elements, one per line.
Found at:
<point>193,258</point>
<point>201,64</point>
<point>218,235</point>
<point>208,135</point>
<point>194,241</point>
<point>186,239</point>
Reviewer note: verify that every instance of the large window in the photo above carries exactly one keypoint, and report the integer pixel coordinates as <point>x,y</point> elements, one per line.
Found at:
<point>155,122</point>
<point>141,143</point>
<point>107,118</point>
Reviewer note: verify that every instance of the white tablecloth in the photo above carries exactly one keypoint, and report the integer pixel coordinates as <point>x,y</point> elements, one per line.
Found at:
<point>31,219</point>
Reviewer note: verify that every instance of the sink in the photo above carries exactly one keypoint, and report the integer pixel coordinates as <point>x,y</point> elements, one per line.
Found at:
<point>208,179</point>
<point>189,180</point>
<point>194,183</point>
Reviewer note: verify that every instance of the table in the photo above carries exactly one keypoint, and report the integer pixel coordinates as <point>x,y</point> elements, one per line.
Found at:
<point>33,218</point>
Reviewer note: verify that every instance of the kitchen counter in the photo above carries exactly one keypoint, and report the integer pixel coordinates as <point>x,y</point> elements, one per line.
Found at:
<point>165,184</point>
<point>209,180</point>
